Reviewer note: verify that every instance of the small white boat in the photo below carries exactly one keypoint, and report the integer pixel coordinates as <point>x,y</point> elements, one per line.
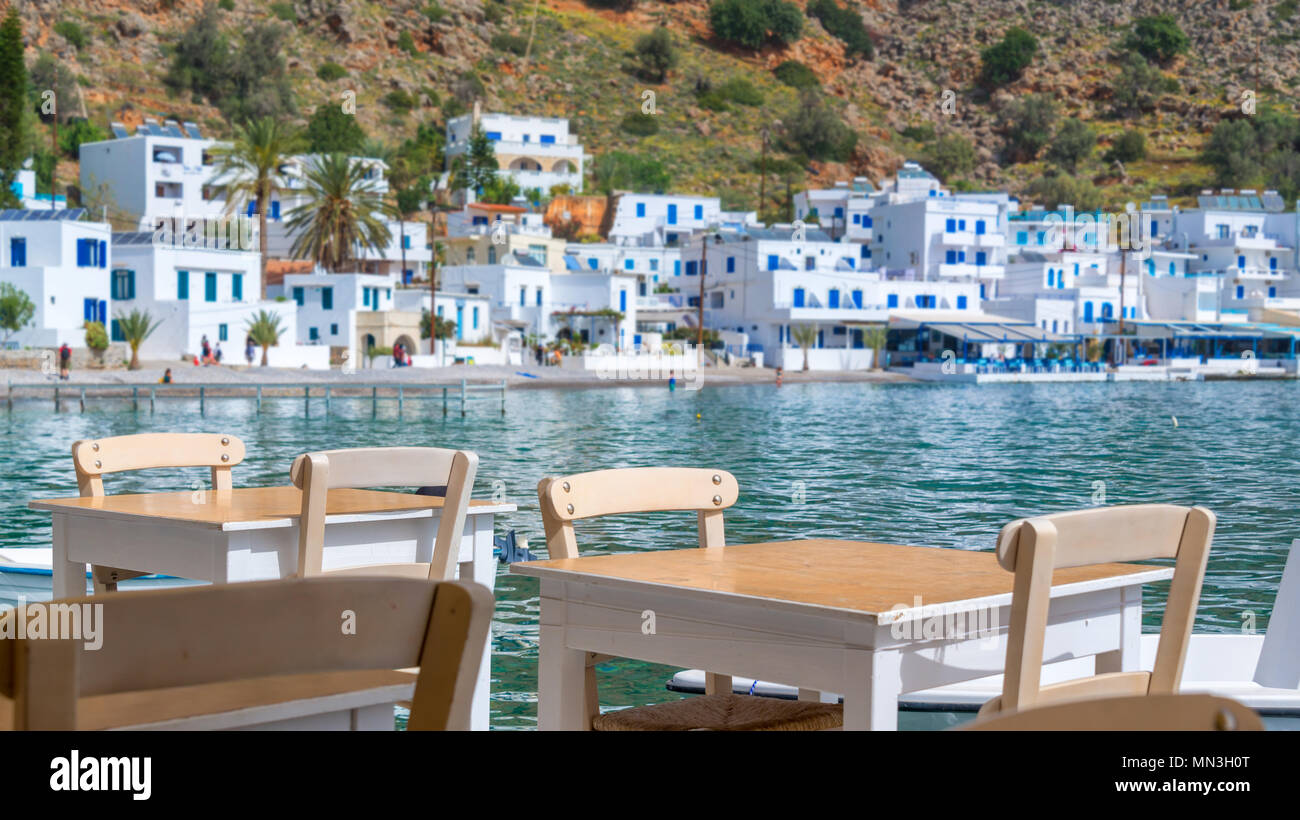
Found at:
<point>1261,671</point>
<point>27,573</point>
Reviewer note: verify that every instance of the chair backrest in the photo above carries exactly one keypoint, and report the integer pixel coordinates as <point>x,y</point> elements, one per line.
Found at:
<point>158,639</point>
<point>1149,713</point>
<point>1279,658</point>
<point>634,490</point>
<point>318,473</point>
<point>1033,547</point>
<point>93,458</point>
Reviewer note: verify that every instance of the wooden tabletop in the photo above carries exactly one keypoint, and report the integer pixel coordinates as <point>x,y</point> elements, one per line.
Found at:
<point>249,507</point>
<point>865,578</point>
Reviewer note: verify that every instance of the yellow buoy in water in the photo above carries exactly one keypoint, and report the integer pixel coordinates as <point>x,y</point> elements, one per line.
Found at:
<point>697,416</point>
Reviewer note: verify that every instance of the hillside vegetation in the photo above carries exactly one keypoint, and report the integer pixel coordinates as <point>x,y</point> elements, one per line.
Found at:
<point>1092,111</point>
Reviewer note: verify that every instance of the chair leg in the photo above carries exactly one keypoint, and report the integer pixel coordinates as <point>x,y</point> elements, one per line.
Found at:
<point>591,696</point>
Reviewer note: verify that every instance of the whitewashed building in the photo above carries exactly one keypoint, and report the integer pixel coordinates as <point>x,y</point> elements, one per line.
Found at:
<point>763,284</point>
<point>195,292</point>
<point>537,152</point>
<point>62,264</point>
<point>158,172</point>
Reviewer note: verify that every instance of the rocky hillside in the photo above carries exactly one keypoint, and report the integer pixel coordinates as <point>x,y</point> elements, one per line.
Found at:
<point>579,65</point>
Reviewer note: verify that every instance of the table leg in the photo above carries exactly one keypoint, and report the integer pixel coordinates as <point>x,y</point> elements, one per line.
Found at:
<point>873,682</point>
<point>1128,657</point>
<point>69,576</point>
<point>482,570</point>
<point>561,676</point>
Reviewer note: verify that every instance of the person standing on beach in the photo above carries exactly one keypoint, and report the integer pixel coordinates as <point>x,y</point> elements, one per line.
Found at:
<point>216,354</point>
<point>166,377</point>
<point>65,362</point>
<point>779,373</point>
<point>249,350</point>
<point>672,381</point>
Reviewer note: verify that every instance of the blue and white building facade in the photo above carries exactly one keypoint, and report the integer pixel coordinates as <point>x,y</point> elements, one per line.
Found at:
<point>536,152</point>
<point>193,293</point>
<point>62,263</point>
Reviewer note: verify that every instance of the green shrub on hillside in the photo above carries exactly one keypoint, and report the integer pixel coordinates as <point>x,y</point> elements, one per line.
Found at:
<point>1158,38</point>
<point>796,75</point>
<point>399,100</point>
<point>1026,124</point>
<point>640,125</point>
<point>846,24</point>
<point>949,156</point>
<point>1138,86</point>
<point>1129,146</point>
<point>816,131</point>
<point>405,42</point>
<point>1056,189</point>
<point>71,32</point>
<point>1004,61</point>
<point>1259,151</point>
<point>754,23</point>
<point>284,11</point>
<point>331,131</point>
<point>655,54</point>
<point>511,43</point>
<point>329,72</point>
<point>1072,144</point>
<point>622,171</point>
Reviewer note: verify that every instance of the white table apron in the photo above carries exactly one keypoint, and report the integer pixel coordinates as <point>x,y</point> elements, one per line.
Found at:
<point>830,651</point>
<point>266,551</point>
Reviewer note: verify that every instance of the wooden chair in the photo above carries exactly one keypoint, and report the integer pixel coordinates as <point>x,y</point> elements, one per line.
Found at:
<point>94,458</point>
<point>202,643</point>
<point>1033,547</point>
<point>663,489</point>
<point>1143,713</point>
<point>318,473</point>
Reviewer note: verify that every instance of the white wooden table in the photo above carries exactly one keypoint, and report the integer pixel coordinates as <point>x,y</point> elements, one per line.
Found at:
<point>855,618</point>
<point>251,534</point>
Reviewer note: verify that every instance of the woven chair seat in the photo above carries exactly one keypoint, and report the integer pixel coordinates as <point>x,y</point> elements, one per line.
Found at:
<point>724,713</point>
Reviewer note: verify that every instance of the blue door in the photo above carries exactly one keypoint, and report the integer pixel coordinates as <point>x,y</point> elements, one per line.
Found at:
<point>1087,311</point>
<point>622,301</point>
<point>672,214</point>
<point>460,321</point>
<point>798,297</point>
<point>833,298</point>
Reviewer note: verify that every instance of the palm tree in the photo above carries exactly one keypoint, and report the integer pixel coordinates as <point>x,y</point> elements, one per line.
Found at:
<point>265,331</point>
<point>135,327</point>
<point>341,208</point>
<point>249,170</point>
<point>805,336</point>
<point>874,338</point>
<point>406,204</point>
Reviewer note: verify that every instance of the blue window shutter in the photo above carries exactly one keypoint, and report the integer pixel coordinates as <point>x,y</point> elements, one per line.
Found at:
<point>622,301</point>
<point>327,298</point>
<point>699,211</point>
<point>102,314</point>
<point>857,299</point>
<point>237,287</point>
<point>961,302</point>
<point>891,300</point>
<point>81,257</point>
<point>252,207</point>
<point>298,296</point>
<point>798,297</point>
<point>773,261</point>
<point>209,287</point>
<point>182,284</point>
<point>640,209</point>
<point>672,214</point>
<point>539,297</point>
<point>833,298</point>
<point>731,264</point>
<point>275,209</point>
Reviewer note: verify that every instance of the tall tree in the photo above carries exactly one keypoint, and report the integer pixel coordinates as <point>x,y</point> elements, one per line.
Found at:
<point>477,168</point>
<point>13,106</point>
<point>16,309</point>
<point>249,169</point>
<point>341,209</point>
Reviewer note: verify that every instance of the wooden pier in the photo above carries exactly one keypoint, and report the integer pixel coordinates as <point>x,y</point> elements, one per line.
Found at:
<point>450,393</point>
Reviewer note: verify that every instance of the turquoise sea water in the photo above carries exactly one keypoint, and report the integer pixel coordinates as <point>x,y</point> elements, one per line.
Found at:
<point>913,464</point>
